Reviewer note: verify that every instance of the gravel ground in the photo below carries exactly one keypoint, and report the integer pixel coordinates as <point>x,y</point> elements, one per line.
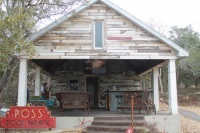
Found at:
<point>188,125</point>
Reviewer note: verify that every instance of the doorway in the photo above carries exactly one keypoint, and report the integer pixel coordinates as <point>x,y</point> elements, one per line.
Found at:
<point>92,87</point>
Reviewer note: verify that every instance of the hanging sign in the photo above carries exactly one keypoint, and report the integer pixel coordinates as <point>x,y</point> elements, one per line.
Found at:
<point>28,117</point>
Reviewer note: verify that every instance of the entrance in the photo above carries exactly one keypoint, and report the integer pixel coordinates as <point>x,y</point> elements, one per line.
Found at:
<point>92,87</point>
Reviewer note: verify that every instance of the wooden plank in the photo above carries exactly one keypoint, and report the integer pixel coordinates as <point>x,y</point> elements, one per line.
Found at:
<point>122,51</point>
<point>148,57</point>
<point>42,44</point>
<point>153,51</point>
<point>135,40</point>
<point>59,28</point>
<point>144,54</point>
<point>81,54</point>
<point>74,57</point>
<point>86,47</point>
<point>63,51</point>
<point>144,47</point>
<point>168,54</point>
<point>49,35</point>
<point>73,34</point>
<point>44,57</point>
<point>104,57</point>
<point>99,5</point>
<point>43,41</point>
<point>124,25</point>
<point>124,35</point>
<point>102,10</point>
<point>78,20</point>
<point>50,54</point>
<point>71,31</point>
<point>96,54</point>
<point>92,17</point>
<point>78,29</point>
<point>43,50</point>
<point>117,47</point>
<point>92,10</point>
<point>76,41</point>
<point>120,28</point>
<point>75,25</point>
<point>53,38</point>
<point>79,38</point>
<point>119,38</point>
<point>68,47</point>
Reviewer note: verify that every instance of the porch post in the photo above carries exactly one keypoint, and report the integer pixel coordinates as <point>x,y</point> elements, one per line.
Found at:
<point>22,84</point>
<point>37,81</point>
<point>173,102</point>
<point>49,86</point>
<point>155,88</point>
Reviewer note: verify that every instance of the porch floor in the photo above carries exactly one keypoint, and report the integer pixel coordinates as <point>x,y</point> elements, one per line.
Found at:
<point>98,112</point>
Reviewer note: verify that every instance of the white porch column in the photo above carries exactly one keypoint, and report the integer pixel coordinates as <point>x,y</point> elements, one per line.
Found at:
<point>173,102</point>
<point>155,88</point>
<point>22,85</point>
<point>37,81</point>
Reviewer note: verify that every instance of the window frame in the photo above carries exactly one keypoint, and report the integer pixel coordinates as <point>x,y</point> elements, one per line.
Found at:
<point>94,33</point>
<point>73,90</point>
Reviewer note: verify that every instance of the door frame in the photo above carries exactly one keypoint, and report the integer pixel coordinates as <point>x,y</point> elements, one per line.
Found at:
<point>98,85</point>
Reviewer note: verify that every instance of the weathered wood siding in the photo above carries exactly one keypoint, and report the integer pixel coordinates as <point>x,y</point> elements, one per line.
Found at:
<point>121,81</point>
<point>73,39</point>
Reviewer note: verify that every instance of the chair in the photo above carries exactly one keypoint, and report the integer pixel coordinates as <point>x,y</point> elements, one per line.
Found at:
<point>125,103</point>
<point>143,103</point>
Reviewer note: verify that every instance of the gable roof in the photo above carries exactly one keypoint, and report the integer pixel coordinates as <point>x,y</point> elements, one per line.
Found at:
<point>180,51</point>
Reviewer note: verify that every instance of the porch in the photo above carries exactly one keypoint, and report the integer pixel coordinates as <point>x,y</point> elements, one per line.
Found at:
<point>72,118</point>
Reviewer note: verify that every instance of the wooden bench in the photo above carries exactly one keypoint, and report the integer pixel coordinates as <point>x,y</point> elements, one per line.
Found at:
<point>74,100</point>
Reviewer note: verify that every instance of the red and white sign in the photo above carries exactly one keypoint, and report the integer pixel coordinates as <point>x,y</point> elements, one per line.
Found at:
<point>28,117</point>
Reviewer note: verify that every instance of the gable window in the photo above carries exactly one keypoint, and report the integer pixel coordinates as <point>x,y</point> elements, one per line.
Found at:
<point>98,34</point>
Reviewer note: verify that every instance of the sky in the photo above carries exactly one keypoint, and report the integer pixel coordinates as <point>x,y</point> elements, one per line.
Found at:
<point>164,12</point>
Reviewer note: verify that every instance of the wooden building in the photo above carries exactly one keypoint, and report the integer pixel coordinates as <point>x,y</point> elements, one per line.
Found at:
<point>97,47</point>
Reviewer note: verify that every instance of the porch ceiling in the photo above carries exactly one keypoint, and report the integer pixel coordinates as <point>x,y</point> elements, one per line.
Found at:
<point>54,65</point>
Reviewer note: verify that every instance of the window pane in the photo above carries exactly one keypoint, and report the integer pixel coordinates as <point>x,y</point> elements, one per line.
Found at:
<point>98,34</point>
<point>73,85</point>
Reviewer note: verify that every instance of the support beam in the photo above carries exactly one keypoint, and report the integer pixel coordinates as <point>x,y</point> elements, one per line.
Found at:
<point>37,81</point>
<point>155,88</point>
<point>22,85</point>
<point>49,86</point>
<point>173,102</point>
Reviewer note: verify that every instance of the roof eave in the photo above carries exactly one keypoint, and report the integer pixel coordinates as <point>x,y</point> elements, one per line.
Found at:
<point>55,23</point>
<point>180,51</point>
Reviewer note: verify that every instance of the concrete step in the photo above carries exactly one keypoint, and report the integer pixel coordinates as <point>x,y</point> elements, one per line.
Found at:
<point>110,129</point>
<point>118,123</point>
<point>99,132</point>
<point>138,117</point>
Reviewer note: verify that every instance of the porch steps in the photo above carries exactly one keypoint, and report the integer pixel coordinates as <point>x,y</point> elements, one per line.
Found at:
<point>115,124</point>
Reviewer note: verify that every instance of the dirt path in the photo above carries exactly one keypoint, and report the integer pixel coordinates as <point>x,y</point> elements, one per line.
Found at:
<point>190,119</point>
